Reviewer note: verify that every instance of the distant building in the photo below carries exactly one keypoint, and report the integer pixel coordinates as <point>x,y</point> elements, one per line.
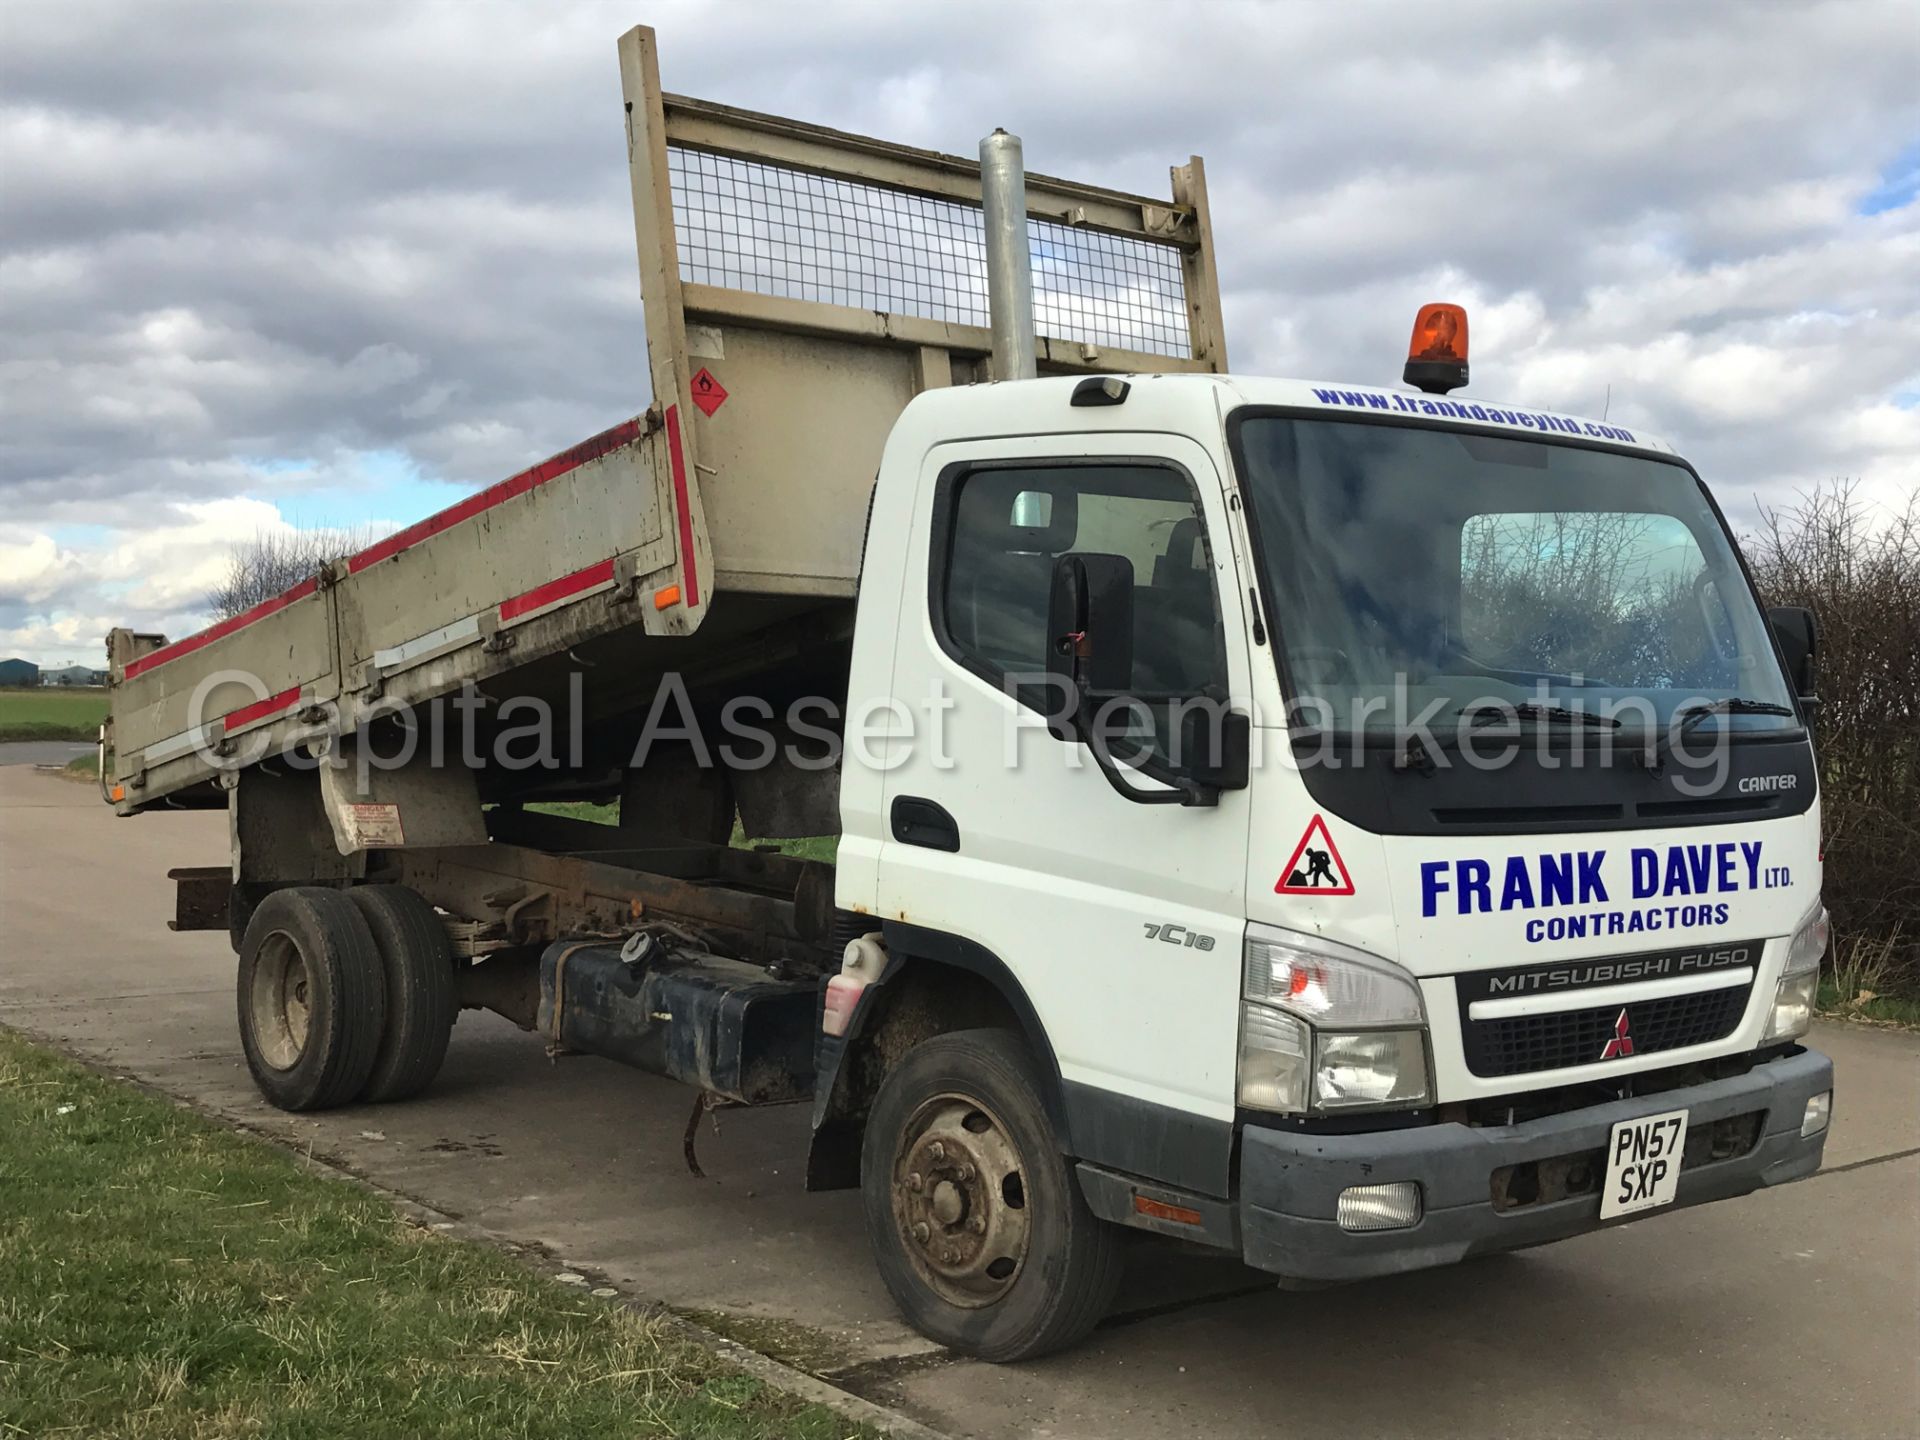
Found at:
<point>19,672</point>
<point>73,675</point>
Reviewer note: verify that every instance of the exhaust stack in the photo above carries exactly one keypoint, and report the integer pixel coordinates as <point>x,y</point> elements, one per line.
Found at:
<point>1003,200</point>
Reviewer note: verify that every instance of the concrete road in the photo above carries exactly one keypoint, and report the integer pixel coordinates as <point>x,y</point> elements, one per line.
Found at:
<point>1792,1312</point>
<point>42,752</point>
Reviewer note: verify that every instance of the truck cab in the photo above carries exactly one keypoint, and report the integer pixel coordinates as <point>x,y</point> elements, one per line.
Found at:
<point>1382,989</point>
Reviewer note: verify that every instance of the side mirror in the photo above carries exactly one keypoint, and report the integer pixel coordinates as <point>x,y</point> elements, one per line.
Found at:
<point>1090,659</point>
<point>1797,634</point>
<point>1090,624</point>
<point>1216,746</point>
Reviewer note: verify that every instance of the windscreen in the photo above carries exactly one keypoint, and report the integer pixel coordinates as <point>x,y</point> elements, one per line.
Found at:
<point>1414,567</point>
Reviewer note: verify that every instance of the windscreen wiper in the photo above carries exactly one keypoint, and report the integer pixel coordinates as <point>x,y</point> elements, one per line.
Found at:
<point>1685,720</point>
<point>1413,755</point>
<point>1534,710</point>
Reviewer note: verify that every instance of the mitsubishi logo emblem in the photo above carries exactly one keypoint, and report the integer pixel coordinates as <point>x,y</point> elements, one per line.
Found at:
<point>1621,1045</point>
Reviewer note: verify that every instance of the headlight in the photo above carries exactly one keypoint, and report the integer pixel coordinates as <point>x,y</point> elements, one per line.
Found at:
<point>1793,1000</point>
<point>1369,1067</point>
<point>1327,1027</point>
<point>1792,1007</point>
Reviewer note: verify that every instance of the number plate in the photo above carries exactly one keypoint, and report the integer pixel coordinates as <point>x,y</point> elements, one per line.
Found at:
<point>1643,1164</point>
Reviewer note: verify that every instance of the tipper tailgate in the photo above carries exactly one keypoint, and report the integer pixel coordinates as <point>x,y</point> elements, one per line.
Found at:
<point>174,706</point>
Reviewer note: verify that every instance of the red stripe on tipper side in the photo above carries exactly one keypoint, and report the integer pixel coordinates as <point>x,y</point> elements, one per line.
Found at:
<point>682,507</point>
<point>544,595</point>
<point>214,632</point>
<point>603,443</point>
<point>260,709</point>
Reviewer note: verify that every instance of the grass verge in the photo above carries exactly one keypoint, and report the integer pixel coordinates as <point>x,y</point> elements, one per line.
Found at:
<point>1866,978</point>
<point>161,1275</point>
<point>1836,1003</point>
<point>51,714</point>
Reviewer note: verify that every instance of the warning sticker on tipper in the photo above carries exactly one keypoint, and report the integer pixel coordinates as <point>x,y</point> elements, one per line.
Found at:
<point>1316,867</point>
<point>708,393</point>
<point>372,826</point>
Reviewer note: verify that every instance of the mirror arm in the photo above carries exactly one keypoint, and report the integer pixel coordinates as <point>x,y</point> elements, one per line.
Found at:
<point>1183,791</point>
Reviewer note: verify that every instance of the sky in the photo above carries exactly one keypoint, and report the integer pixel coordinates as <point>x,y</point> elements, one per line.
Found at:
<point>274,265</point>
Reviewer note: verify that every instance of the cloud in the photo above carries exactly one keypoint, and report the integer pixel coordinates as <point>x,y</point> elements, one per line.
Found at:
<point>256,247</point>
<point>59,600</point>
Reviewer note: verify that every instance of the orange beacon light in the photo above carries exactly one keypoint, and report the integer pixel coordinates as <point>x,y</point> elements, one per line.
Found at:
<point>1437,354</point>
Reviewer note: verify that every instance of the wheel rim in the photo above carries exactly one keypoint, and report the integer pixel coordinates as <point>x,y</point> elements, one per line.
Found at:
<point>960,1200</point>
<point>281,1002</point>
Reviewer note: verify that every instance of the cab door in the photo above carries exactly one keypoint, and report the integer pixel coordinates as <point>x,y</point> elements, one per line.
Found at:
<point>1121,922</point>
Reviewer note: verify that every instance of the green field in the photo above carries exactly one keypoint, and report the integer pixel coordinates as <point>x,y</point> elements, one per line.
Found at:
<point>809,847</point>
<point>161,1275</point>
<point>47,713</point>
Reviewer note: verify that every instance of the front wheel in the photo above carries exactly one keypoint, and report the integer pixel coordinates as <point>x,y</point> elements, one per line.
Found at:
<point>978,1226</point>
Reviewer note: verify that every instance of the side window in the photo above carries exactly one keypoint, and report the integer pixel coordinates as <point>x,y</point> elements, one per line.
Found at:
<point>1006,527</point>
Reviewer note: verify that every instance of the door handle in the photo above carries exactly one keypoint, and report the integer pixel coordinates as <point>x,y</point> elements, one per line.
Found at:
<point>922,822</point>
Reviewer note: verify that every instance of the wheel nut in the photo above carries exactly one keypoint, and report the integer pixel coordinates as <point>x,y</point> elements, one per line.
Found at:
<point>915,1183</point>
<point>966,1172</point>
<point>937,1150</point>
<point>978,1224</point>
<point>921,1232</point>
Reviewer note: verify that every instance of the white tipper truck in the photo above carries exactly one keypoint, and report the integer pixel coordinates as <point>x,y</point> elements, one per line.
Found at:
<point>1351,827</point>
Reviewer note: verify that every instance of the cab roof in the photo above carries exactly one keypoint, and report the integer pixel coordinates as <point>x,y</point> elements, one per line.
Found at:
<point>1185,402</point>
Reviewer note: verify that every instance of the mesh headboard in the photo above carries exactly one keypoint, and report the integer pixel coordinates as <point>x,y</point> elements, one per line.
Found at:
<point>803,285</point>
<point>773,230</point>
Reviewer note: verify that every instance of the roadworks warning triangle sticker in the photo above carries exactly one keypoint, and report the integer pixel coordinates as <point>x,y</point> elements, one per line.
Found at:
<point>1316,867</point>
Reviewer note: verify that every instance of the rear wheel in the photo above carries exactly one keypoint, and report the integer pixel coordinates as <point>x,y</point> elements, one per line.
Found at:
<point>312,997</point>
<point>421,1004</point>
<point>978,1226</point>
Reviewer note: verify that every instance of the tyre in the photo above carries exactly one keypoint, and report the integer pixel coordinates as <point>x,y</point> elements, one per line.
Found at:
<point>978,1226</point>
<point>313,998</point>
<point>421,1005</point>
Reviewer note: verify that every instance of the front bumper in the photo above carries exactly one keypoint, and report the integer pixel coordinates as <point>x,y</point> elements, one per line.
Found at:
<point>1290,1183</point>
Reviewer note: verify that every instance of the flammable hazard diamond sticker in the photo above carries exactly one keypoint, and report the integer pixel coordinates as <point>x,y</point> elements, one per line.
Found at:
<point>708,393</point>
<point>1316,867</point>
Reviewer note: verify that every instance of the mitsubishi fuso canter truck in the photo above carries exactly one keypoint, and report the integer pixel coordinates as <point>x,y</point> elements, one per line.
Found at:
<point>1354,827</point>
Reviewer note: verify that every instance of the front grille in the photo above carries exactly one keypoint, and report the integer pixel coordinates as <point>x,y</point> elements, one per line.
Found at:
<point>1523,1044</point>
